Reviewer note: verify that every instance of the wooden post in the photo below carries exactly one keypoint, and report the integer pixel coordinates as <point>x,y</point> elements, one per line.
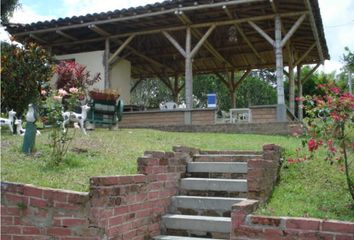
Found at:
<point>299,87</point>
<point>189,71</point>
<point>106,65</point>
<point>350,81</point>
<point>291,85</point>
<point>281,109</point>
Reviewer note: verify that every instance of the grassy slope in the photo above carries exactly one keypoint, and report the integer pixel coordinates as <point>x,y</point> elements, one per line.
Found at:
<point>312,188</point>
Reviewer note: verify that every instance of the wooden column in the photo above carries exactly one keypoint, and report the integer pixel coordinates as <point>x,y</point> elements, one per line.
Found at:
<point>107,83</point>
<point>299,87</point>
<point>350,81</point>
<point>281,108</point>
<point>291,85</point>
<point>189,71</point>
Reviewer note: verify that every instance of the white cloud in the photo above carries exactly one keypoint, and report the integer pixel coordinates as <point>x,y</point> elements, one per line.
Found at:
<point>26,14</point>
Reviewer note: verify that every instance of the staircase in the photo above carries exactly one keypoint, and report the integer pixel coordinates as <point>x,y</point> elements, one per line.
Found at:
<point>215,181</point>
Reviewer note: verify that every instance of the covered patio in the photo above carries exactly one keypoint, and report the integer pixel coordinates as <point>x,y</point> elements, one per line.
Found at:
<point>185,38</point>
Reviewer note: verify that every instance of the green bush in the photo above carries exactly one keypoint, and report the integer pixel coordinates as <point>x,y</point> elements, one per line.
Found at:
<point>24,72</point>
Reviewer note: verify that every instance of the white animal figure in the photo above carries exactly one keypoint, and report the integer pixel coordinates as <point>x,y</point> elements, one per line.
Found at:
<point>20,130</point>
<point>162,105</point>
<point>31,115</point>
<point>76,118</point>
<point>182,105</point>
<point>9,121</point>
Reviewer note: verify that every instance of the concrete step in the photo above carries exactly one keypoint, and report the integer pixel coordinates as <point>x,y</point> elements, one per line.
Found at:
<point>163,237</point>
<point>197,223</point>
<point>217,167</point>
<point>225,157</point>
<point>247,152</point>
<point>210,184</point>
<point>203,206</point>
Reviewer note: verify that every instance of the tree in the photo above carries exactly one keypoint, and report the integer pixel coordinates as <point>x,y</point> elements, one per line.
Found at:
<point>7,9</point>
<point>25,71</point>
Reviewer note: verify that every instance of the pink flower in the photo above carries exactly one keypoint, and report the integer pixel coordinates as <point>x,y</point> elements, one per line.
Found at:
<point>335,90</point>
<point>73,90</point>
<point>43,92</point>
<point>62,92</point>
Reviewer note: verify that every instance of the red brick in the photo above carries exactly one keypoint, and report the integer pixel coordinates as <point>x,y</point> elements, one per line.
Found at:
<point>77,198</point>
<point>272,233</point>
<point>56,231</point>
<point>266,221</point>
<point>36,202</point>
<point>10,229</point>
<point>344,237</point>
<point>7,220</point>
<point>30,231</point>
<point>115,221</point>
<point>33,191</point>
<point>153,195</point>
<point>67,206</point>
<point>14,199</point>
<point>6,237</point>
<point>139,178</point>
<point>303,223</point>
<point>121,210</point>
<point>129,235</point>
<point>143,213</point>
<point>73,221</point>
<point>338,227</point>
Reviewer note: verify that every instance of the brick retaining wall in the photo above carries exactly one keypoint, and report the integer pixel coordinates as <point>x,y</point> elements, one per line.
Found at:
<point>248,226</point>
<point>283,128</point>
<point>117,207</point>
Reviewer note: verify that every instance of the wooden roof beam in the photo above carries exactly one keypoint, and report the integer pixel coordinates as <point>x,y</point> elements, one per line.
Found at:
<point>37,38</point>
<point>63,34</point>
<point>243,35</point>
<point>197,34</point>
<point>305,54</point>
<point>198,25</point>
<point>98,30</point>
<point>120,49</point>
<point>315,31</point>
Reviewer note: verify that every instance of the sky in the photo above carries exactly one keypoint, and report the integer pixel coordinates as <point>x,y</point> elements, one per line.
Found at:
<point>337,17</point>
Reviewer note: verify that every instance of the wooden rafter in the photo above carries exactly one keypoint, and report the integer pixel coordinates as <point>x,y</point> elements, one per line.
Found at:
<point>197,34</point>
<point>243,35</point>
<point>63,34</point>
<point>120,49</point>
<point>305,54</point>
<point>37,38</point>
<point>178,28</point>
<point>98,30</point>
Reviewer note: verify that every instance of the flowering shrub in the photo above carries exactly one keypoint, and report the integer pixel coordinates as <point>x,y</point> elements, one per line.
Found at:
<point>74,75</point>
<point>52,113</point>
<point>329,123</point>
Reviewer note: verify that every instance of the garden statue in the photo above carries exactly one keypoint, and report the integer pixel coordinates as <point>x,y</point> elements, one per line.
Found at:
<point>31,130</point>
<point>76,117</point>
<point>21,131</point>
<point>9,121</point>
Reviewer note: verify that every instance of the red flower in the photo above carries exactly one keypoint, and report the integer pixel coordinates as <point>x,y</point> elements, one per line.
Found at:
<point>312,145</point>
<point>335,90</point>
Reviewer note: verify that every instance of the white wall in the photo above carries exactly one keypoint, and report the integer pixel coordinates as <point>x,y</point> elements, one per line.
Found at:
<point>93,62</point>
<point>120,73</point>
<point>120,79</point>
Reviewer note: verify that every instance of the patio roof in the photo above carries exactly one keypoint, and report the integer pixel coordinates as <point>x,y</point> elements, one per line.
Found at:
<point>143,35</point>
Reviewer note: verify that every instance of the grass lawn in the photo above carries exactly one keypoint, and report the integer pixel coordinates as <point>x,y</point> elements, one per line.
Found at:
<point>312,188</point>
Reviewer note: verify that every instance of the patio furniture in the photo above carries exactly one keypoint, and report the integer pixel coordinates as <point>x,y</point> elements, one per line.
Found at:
<point>106,113</point>
<point>238,115</point>
<point>168,106</point>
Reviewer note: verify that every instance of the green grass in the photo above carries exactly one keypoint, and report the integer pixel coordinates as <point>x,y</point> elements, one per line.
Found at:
<point>313,188</point>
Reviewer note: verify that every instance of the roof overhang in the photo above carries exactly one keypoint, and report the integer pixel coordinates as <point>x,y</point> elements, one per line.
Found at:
<point>234,44</point>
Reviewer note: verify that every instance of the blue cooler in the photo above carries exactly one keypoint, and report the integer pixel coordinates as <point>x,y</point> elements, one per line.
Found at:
<point>212,100</point>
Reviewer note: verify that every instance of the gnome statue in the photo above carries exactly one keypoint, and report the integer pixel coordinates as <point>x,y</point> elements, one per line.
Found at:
<point>31,130</point>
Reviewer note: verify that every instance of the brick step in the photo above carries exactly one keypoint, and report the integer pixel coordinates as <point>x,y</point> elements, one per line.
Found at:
<point>205,206</point>
<point>225,157</point>
<point>217,167</point>
<point>163,237</point>
<point>199,224</point>
<point>211,184</point>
